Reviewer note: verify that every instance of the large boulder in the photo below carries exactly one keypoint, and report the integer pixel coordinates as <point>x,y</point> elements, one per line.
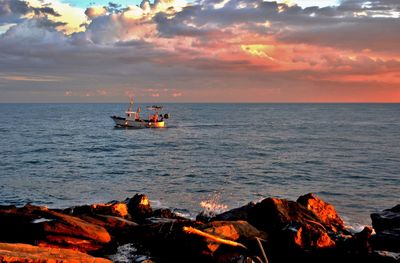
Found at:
<point>61,224</point>
<point>139,207</point>
<point>33,254</point>
<point>387,219</point>
<point>325,212</point>
<point>290,223</point>
<point>387,227</point>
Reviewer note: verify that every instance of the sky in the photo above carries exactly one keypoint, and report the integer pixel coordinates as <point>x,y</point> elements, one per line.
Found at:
<point>200,51</point>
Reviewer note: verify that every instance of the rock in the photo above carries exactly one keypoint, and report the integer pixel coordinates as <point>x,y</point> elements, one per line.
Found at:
<point>17,225</point>
<point>325,212</point>
<point>139,207</point>
<point>241,213</point>
<point>33,254</point>
<point>205,216</point>
<point>78,210</point>
<point>359,243</point>
<point>388,240</point>
<point>167,242</point>
<point>280,218</point>
<point>289,223</point>
<point>387,227</point>
<point>309,230</point>
<point>129,253</point>
<point>166,213</point>
<point>387,219</point>
<point>385,256</point>
<point>115,208</point>
<point>33,224</point>
<point>63,241</point>
<point>73,226</point>
<point>231,230</point>
<point>306,236</point>
<point>111,223</point>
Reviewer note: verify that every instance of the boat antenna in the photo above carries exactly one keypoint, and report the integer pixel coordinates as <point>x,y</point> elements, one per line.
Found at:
<point>130,104</point>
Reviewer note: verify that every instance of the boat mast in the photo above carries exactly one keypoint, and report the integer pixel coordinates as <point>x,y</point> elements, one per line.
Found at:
<point>129,110</point>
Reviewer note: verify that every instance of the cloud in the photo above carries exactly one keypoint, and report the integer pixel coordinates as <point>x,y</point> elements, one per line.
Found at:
<point>208,50</point>
<point>95,11</point>
<point>14,11</point>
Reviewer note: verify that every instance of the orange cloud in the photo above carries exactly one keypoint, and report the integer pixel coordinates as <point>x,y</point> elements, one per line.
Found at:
<point>226,51</point>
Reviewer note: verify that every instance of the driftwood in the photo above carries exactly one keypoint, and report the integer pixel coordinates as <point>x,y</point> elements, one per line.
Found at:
<point>191,230</point>
<point>262,249</point>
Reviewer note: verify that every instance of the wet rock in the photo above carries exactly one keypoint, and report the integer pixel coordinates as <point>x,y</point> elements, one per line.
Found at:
<point>387,227</point>
<point>128,253</point>
<point>165,213</point>
<point>385,256</point>
<point>388,240</point>
<point>387,219</point>
<point>325,212</point>
<point>33,254</point>
<point>78,210</point>
<point>359,243</point>
<point>139,207</point>
<point>205,216</point>
<point>241,213</point>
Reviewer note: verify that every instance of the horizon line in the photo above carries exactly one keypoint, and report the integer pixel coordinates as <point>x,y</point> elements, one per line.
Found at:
<point>233,102</point>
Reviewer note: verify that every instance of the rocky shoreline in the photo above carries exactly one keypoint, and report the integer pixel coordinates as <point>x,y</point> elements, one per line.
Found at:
<point>273,230</point>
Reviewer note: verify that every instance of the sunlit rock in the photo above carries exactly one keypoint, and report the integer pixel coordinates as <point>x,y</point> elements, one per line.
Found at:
<point>308,237</point>
<point>139,207</point>
<point>113,209</point>
<point>33,254</point>
<point>325,212</point>
<point>231,230</point>
<point>39,225</point>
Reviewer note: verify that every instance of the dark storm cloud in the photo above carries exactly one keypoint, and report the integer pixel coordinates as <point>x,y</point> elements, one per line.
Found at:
<point>355,24</point>
<point>356,34</point>
<point>45,10</point>
<point>11,11</point>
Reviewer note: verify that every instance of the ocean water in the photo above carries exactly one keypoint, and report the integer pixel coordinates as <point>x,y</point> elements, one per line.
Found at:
<point>61,155</point>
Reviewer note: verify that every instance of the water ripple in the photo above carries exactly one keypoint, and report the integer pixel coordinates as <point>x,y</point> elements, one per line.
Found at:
<point>347,154</point>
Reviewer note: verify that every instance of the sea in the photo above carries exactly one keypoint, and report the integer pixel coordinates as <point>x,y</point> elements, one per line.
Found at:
<point>218,156</point>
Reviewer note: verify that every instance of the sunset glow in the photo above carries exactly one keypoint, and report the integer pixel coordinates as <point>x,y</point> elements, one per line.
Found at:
<point>200,51</point>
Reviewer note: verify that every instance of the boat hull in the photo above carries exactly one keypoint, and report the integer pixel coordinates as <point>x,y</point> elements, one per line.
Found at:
<point>130,123</point>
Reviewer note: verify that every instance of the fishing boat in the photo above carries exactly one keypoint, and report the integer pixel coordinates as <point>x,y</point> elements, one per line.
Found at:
<point>132,119</point>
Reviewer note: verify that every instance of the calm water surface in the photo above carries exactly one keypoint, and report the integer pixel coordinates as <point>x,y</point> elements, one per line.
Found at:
<point>66,154</point>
